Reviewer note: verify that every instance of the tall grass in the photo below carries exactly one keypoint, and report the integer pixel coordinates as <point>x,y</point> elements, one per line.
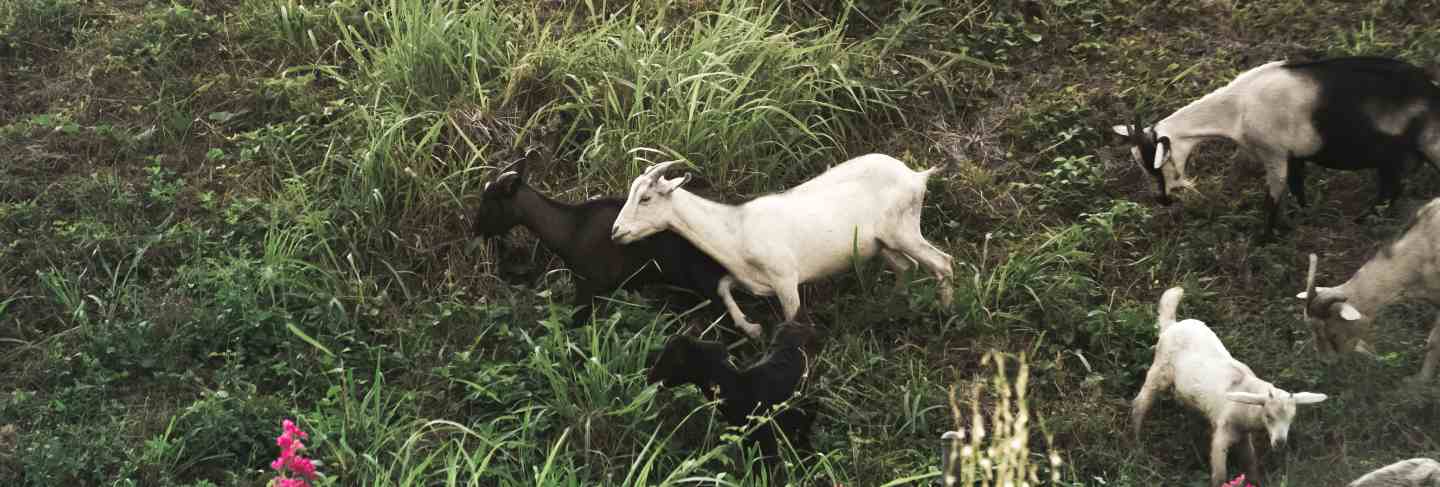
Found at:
<point>752,102</point>
<point>994,448</point>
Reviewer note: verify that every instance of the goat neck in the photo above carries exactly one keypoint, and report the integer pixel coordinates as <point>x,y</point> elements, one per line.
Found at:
<point>1249,417</point>
<point>554,223</point>
<point>713,227</point>
<point>1212,116</point>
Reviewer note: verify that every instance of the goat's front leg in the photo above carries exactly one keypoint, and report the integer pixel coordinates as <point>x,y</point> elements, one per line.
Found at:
<point>1220,442</point>
<point>1275,182</point>
<point>788,290</point>
<point>1156,380</point>
<point>723,289</point>
<point>584,300</point>
<point>1252,461</point>
<point>899,264</point>
<point>1432,355</point>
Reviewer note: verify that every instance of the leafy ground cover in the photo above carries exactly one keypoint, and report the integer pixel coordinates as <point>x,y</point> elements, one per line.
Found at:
<point>218,214</point>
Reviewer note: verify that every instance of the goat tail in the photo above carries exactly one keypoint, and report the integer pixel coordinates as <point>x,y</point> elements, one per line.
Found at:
<point>1168,303</point>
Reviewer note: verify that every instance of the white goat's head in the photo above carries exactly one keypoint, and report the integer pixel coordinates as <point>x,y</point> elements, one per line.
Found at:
<point>1277,409</point>
<point>647,210</point>
<point>1338,326</point>
<point>1150,150</point>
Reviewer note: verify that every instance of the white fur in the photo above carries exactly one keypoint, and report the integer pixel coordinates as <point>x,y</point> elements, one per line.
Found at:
<point>1265,110</point>
<point>1415,472</point>
<point>867,205</point>
<point>1190,359</point>
<point>1409,266</point>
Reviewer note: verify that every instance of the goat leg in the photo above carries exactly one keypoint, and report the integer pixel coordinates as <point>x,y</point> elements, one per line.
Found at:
<point>1154,380</point>
<point>1219,447</point>
<point>1432,355</point>
<point>723,289</point>
<point>1252,461</point>
<point>1296,181</point>
<point>584,304</point>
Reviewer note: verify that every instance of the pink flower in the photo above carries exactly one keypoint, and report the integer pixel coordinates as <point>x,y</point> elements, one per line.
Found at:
<point>303,467</point>
<point>293,469</point>
<point>1239,482</point>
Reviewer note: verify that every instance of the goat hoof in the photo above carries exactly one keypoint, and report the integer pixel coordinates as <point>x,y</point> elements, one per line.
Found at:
<point>751,330</point>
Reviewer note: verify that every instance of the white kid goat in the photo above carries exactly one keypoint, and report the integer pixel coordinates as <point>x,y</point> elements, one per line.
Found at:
<point>1191,359</point>
<point>1349,113</point>
<point>1342,316</point>
<point>770,245</point>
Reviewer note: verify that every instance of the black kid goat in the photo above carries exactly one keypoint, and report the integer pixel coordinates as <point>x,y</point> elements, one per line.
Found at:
<point>580,235</point>
<point>779,376</point>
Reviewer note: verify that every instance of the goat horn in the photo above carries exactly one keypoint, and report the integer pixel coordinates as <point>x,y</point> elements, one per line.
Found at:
<point>1310,293</point>
<point>659,169</point>
<point>511,166</point>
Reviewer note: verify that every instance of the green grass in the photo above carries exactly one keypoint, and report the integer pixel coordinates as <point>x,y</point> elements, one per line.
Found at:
<point>217,215</point>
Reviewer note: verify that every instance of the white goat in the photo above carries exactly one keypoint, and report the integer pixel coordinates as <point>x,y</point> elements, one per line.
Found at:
<point>1191,359</point>
<point>1342,316</point>
<point>1415,472</point>
<point>1343,113</point>
<point>770,245</point>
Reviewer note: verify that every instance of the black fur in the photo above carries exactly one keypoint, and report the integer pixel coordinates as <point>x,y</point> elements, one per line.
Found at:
<point>755,390</point>
<point>580,235</point>
<point>1353,90</point>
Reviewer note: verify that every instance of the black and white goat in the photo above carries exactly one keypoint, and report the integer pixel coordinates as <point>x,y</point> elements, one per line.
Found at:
<point>1415,472</point>
<point>1192,361</point>
<point>1344,113</point>
<point>1342,316</point>
<point>580,235</point>
<point>778,377</point>
<point>770,245</point>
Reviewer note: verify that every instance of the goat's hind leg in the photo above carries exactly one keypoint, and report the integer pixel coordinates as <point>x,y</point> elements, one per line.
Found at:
<point>1432,354</point>
<point>911,243</point>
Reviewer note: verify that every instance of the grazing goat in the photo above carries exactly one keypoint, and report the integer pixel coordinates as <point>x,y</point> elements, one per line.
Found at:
<point>580,235</point>
<point>776,378</point>
<point>1415,472</point>
<point>770,245</point>
<point>1341,317</point>
<point>1345,113</point>
<point>1191,359</point>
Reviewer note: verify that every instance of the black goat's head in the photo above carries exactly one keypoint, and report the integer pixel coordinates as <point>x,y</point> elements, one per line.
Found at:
<point>1143,145</point>
<point>804,336</point>
<point>686,360</point>
<point>497,213</point>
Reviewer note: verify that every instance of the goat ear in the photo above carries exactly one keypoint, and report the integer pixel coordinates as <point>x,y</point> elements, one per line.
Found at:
<point>1162,147</point>
<point>1348,312</point>
<point>1123,130</point>
<point>667,186</point>
<point>1308,397</point>
<point>1246,398</point>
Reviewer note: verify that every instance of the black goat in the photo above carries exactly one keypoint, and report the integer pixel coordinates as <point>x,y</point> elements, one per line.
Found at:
<point>776,378</point>
<point>580,235</point>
